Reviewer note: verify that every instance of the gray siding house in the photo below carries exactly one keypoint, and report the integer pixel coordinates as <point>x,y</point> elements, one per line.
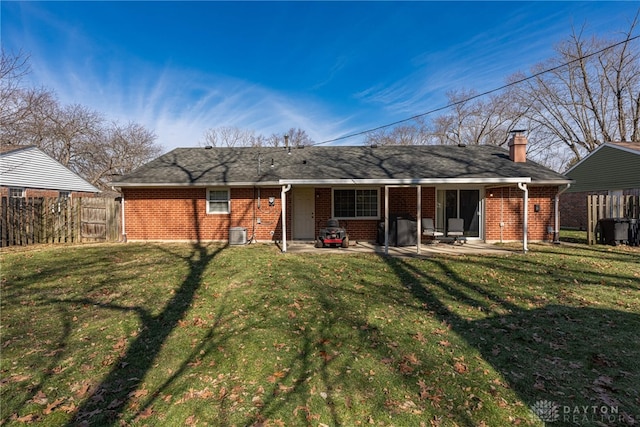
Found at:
<point>27,171</point>
<point>612,169</point>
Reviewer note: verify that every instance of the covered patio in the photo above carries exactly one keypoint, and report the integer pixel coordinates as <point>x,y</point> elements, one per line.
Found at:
<point>426,250</point>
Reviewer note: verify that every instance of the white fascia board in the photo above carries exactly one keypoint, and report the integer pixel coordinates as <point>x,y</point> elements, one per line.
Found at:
<point>408,181</point>
<point>203,185</point>
<point>553,182</point>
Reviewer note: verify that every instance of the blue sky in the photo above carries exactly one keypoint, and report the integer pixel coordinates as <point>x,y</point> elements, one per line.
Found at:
<point>330,68</point>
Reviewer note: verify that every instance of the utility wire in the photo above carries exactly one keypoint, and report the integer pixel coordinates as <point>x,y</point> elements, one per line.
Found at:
<point>453,104</point>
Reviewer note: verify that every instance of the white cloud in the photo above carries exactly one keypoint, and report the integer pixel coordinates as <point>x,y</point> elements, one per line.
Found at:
<point>180,105</point>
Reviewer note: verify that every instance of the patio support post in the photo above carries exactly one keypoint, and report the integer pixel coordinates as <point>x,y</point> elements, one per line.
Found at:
<point>556,232</point>
<point>283,200</point>
<point>522,186</point>
<point>386,220</point>
<point>419,219</point>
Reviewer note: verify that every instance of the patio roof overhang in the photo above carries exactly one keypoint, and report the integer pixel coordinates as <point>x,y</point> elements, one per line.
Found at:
<point>406,181</point>
<point>520,182</point>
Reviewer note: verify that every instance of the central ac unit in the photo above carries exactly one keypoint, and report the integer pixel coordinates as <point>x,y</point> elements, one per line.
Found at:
<point>237,236</point>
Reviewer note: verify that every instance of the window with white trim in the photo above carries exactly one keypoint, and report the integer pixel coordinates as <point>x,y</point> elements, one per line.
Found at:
<point>17,193</point>
<point>356,203</point>
<point>218,201</point>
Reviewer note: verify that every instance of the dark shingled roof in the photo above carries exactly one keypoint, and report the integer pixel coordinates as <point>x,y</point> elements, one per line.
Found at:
<point>228,166</point>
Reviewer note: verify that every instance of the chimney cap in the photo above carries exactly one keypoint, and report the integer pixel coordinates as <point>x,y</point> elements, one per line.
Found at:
<point>518,131</point>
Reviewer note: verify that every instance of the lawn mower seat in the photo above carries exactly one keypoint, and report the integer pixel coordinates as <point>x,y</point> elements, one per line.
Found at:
<point>332,235</point>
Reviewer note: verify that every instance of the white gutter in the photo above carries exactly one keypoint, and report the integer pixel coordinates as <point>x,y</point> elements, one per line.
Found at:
<point>525,222</point>
<point>405,181</point>
<point>556,232</point>
<point>283,200</point>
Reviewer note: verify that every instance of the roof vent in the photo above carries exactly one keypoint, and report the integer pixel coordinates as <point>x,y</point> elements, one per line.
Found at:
<point>208,147</point>
<point>462,144</point>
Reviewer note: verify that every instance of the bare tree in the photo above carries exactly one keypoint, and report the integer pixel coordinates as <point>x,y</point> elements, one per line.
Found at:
<point>299,138</point>
<point>594,98</point>
<point>469,121</point>
<point>414,133</point>
<point>75,131</point>
<point>273,140</point>
<point>17,102</point>
<point>125,148</point>
<point>229,136</point>
<point>474,121</point>
<point>12,69</point>
<point>590,95</point>
<point>74,135</point>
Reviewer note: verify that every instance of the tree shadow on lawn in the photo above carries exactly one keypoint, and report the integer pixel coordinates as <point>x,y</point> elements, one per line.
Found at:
<point>350,365</point>
<point>581,359</point>
<point>555,353</point>
<point>110,398</point>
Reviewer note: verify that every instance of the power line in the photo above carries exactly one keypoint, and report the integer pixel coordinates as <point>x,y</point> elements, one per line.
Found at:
<point>453,104</point>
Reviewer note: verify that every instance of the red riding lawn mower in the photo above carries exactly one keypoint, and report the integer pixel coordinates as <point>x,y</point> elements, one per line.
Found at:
<point>332,235</point>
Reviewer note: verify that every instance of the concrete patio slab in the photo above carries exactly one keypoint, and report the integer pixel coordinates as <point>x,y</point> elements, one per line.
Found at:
<point>426,250</point>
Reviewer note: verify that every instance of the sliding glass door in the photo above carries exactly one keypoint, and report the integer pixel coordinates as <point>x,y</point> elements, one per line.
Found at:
<point>463,204</point>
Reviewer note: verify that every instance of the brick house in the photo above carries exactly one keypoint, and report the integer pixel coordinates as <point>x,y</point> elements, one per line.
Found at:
<point>288,194</point>
<point>26,171</point>
<point>612,169</point>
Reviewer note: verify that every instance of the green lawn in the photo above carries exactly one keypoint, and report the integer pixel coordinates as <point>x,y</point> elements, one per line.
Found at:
<point>173,335</point>
<point>573,236</point>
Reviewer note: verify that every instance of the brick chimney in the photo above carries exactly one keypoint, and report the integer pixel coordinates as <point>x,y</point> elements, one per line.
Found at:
<point>518,146</point>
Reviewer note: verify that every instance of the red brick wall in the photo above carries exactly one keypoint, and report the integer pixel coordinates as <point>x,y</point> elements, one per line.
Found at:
<point>573,210</point>
<point>505,204</point>
<point>180,214</point>
<point>358,229</point>
<point>34,192</point>
<point>402,200</point>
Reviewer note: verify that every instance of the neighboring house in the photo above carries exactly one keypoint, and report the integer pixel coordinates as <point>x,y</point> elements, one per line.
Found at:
<point>200,193</point>
<point>26,171</point>
<point>612,169</point>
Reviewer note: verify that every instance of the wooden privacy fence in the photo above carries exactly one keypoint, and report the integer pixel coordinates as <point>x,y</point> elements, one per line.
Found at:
<point>26,221</point>
<point>604,206</point>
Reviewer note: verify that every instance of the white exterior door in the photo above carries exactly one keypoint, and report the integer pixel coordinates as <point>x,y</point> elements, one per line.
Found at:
<point>304,205</point>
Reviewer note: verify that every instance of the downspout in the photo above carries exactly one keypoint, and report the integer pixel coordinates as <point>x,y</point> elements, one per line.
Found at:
<point>525,225</point>
<point>283,200</point>
<point>124,232</point>
<point>556,233</point>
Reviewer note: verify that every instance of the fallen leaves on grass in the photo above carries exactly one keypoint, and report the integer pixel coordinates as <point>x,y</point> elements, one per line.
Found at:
<point>275,376</point>
<point>459,366</point>
<point>430,393</point>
